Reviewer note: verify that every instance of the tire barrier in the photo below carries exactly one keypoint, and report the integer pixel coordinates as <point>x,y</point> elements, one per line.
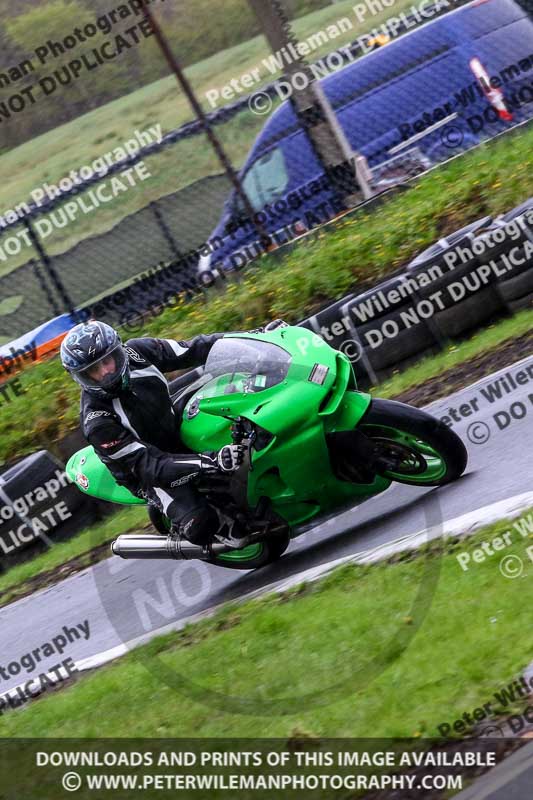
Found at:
<point>516,287</point>
<point>459,257</point>
<point>469,314</point>
<point>38,505</point>
<point>435,254</point>
<point>457,284</point>
<point>390,333</point>
<point>335,326</point>
<point>441,295</point>
<point>511,229</point>
<point>517,292</point>
<point>329,324</point>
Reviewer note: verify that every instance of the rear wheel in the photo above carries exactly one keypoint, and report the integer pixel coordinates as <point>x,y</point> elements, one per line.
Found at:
<point>251,557</point>
<point>255,555</point>
<point>425,452</point>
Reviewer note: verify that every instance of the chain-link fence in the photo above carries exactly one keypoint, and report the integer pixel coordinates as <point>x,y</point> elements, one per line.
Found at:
<point>163,216</point>
<point>169,230</point>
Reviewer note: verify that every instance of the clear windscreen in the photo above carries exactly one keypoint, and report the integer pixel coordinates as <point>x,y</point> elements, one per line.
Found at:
<point>243,365</point>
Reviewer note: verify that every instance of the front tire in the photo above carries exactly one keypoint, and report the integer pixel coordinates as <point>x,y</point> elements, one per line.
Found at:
<point>434,454</point>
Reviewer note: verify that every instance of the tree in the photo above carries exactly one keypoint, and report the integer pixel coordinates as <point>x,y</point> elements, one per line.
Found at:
<point>53,22</point>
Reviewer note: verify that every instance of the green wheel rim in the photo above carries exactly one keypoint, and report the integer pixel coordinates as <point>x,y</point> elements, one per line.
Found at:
<point>246,554</point>
<point>435,464</point>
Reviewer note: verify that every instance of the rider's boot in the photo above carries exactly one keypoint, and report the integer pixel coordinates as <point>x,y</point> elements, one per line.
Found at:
<point>230,531</point>
<point>201,525</point>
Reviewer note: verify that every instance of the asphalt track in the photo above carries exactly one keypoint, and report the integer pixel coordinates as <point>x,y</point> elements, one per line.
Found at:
<point>510,780</point>
<point>126,599</point>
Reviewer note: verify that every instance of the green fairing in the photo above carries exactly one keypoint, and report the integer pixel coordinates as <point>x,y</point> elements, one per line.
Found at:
<point>293,469</point>
<point>93,477</point>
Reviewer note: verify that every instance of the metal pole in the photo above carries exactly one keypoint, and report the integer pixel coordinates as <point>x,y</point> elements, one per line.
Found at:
<point>313,108</point>
<point>166,230</point>
<point>46,289</point>
<point>198,110</point>
<point>48,267</point>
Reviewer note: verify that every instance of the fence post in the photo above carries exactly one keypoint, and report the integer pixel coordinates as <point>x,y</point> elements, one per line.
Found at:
<point>313,109</point>
<point>201,116</point>
<point>52,302</point>
<point>48,267</point>
<point>165,230</point>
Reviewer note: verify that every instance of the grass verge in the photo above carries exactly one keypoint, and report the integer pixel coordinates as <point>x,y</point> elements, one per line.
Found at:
<point>364,248</point>
<point>392,669</point>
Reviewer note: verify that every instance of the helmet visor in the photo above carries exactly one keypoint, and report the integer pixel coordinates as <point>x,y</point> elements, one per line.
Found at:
<point>105,372</point>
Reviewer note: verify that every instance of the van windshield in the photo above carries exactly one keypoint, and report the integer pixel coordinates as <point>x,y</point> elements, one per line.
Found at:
<point>266,181</point>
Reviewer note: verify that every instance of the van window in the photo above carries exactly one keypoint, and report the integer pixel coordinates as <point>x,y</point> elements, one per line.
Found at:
<point>267,180</point>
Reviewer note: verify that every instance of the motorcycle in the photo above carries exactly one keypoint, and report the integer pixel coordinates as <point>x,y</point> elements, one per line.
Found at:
<point>313,445</point>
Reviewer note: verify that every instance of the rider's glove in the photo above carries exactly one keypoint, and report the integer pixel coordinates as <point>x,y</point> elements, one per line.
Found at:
<point>228,459</point>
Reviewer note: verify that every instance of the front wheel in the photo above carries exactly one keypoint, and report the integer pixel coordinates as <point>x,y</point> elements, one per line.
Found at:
<point>425,452</point>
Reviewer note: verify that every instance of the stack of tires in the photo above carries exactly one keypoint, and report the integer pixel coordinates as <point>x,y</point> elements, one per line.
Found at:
<point>462,300</point>
<point>515,285</point>
<point>37,505</point>
<point>388,324</point>
<point>459,283</point>
<point>328,323</point>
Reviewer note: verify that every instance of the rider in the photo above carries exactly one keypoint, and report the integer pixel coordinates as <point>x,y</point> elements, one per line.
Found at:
<point>127,415</point>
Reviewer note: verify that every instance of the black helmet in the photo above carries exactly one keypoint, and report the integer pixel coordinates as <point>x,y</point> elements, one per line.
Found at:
<point>85,348</point>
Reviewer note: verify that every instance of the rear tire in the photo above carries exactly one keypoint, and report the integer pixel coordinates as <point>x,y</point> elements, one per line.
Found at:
<point>251,557</point>
<point>255,555</point>
<point>442,451</point>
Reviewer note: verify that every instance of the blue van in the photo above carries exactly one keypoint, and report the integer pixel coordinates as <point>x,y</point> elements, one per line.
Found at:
<point>427,95</point>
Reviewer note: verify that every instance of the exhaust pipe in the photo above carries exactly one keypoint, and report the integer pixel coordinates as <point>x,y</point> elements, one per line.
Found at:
<point>150,546</point>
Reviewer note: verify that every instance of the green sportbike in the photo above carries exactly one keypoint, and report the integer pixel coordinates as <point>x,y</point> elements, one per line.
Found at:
<point>313,444</point>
